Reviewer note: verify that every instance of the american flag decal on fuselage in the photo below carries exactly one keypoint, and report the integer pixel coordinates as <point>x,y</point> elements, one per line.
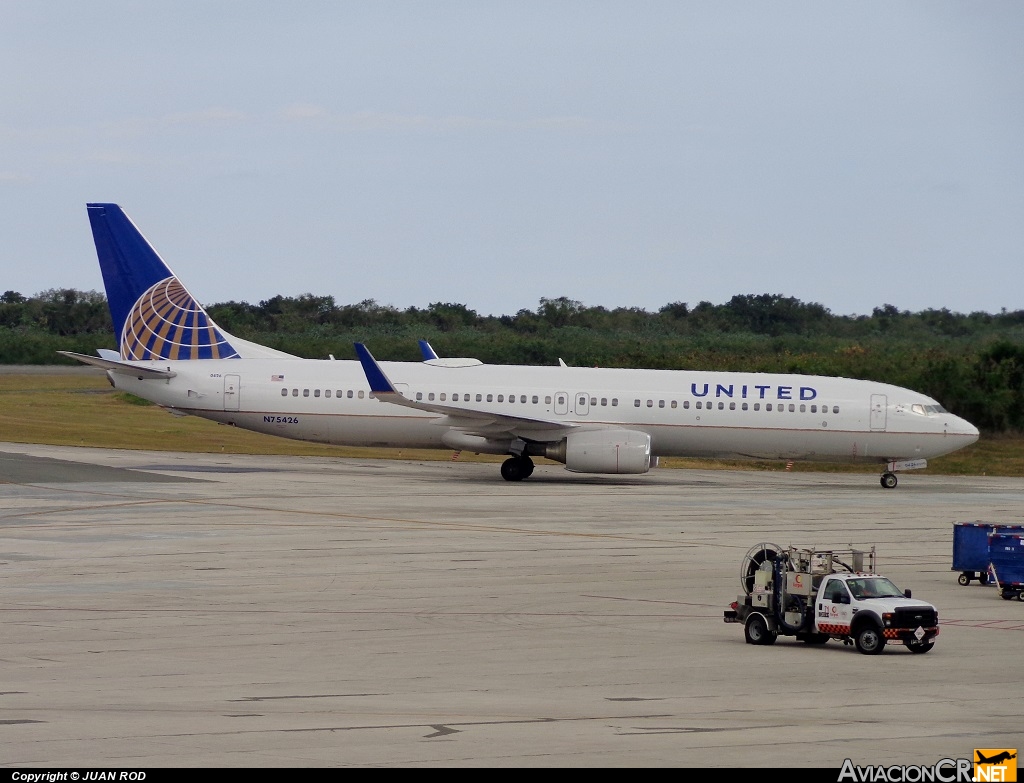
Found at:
<point>167,323</point>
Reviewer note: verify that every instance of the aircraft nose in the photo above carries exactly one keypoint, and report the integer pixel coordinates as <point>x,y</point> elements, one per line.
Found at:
<point>964,429</point>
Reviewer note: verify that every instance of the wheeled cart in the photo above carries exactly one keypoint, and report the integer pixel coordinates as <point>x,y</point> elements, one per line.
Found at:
<point>971,548</point>
<point>1006,555</point>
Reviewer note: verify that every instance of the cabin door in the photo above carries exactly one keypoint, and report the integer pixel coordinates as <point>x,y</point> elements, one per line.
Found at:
<point>582,404</point>
<point>232,383</point>
<point>878,406</point>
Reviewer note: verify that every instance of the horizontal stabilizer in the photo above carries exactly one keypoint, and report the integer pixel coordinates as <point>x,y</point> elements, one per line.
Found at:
<point>120,367</point>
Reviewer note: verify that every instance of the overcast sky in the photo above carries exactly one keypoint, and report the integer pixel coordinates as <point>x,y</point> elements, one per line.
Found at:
<point>623,154</point>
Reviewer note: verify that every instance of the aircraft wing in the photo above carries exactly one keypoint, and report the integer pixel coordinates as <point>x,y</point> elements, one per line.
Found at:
<point>471,420</point>
<point>124,368</point>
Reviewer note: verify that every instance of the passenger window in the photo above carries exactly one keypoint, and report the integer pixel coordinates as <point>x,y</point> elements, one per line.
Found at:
<point>792,408</point>
<point>661,403</point>
<point>699,405</point>
<point>501,398</point>
<point>535,399</point>
<point>757,406</point>
<point>360,394</point>
<point>327,392</point>
<point>636,403</point>
<point>604,402</point>
<point>480,397</point>
<point>686,404</point>
<point>349,394</point>
<point>732,406</point>
<point>305,392</point>
<point>615,401</point>
<point>835,409</point>
<point>650,403</point>
<point>767,406</point>
<point>721,406</point>
<point>430,396</point>
<point>443,396</point>
<point>490,398</point>
<point>547,399</point>
<point>675,404</point>
<point>316,392</point>
<point>803,409</point>
<point>295,392</point>
<point>814,409</point>
<point>455,397</point>
<point>522,398</point>
<point>744,406</point>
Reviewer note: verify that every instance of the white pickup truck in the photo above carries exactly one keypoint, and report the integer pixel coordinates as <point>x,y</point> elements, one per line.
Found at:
<point>815,596</point>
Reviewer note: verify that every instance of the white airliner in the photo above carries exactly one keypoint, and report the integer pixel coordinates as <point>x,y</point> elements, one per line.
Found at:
<point>594,420</point>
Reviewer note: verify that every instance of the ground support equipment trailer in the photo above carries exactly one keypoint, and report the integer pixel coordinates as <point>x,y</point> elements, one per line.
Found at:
<point>971,548</point>
<point>1006,563</point>
<point>817,595</point>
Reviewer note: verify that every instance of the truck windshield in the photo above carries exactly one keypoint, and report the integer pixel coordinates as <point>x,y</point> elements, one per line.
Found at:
<point>873,587</point>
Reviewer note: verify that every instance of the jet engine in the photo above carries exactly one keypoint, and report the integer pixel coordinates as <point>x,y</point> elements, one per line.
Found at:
<point>603,451</point>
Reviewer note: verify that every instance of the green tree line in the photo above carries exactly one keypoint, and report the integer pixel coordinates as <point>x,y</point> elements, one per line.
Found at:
<point>971,363</point>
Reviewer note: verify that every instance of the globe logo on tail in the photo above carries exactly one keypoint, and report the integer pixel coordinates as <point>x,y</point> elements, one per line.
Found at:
<point>167,323</point>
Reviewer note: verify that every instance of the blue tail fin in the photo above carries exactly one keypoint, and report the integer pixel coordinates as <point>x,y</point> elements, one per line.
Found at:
<point>154,316</point>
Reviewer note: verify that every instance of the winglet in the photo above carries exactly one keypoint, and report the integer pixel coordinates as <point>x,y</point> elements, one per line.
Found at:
<point>379,383</point>
<point>427,351</point>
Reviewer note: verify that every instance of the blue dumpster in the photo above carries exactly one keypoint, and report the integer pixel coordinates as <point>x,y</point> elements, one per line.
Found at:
<point>971,548</point>
<point>1006,555</point>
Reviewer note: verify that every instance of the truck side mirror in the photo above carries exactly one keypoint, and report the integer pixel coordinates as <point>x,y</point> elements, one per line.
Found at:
<point>907,592</point>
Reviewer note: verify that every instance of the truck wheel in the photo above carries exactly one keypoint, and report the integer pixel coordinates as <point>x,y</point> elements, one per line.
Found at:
<point>983,579</point>
<point>869,640</point>
<point>920,649</point>
<point>816,638</point>
<point>756,630</point>
<point>964,579</point>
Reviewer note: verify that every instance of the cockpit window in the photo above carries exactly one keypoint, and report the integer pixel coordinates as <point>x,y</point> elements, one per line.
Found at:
<point>927,410</point>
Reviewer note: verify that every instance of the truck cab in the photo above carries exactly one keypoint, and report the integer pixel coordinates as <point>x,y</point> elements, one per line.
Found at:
<point>871,610</point>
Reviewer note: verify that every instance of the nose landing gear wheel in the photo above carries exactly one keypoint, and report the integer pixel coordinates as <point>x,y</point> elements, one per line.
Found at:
<point>888,480</point>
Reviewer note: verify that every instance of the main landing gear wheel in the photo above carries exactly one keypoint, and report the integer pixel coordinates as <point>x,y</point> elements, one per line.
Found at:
<point>888,480</point>
<point>516,468</point>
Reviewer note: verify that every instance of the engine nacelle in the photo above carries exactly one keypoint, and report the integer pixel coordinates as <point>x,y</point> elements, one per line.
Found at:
<point>461,441</point>
<point>604,451</point>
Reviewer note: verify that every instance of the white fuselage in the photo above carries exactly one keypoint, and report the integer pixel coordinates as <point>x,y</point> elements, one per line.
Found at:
<point>686,413</point>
